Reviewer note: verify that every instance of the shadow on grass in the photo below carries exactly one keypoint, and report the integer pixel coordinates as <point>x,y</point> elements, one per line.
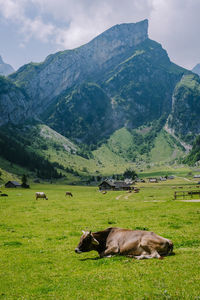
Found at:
<point>90,258</point>
<point>98,258</point>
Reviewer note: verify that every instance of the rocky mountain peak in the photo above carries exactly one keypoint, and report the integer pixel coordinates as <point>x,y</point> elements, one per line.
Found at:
<point>126,34</point>
<point>64,69</point>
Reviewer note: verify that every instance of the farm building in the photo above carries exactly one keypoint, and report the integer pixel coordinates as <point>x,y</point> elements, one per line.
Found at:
<point>12,184</point>
<point>196,176</point>
<point>163,178</point>
<point>114,185</point>
<point>153,180</point>
<point>139,180</point>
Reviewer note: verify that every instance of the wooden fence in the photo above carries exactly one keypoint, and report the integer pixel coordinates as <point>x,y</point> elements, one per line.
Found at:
<point>185,194</point>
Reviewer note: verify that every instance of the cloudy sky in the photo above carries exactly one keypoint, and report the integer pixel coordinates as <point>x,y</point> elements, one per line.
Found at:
<point>32,29</point>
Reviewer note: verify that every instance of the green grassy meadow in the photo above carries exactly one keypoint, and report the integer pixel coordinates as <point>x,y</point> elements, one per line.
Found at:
<point>38,238</point>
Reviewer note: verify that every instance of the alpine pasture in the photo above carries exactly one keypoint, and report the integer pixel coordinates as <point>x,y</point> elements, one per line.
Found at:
<point>38,238</point>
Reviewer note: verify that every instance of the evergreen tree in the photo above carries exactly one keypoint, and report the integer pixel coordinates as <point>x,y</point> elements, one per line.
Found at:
<point>24,179</point>
<point>130,174</point>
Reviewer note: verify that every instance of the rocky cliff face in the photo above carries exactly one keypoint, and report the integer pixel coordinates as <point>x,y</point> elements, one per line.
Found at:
<point>184,119</point>
<point>5,69</point>
<point>43,82</point>
<point>137,89</point>
<point>14,106</point>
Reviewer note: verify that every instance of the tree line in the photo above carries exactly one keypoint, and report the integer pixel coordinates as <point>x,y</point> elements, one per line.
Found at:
<point>15,152</point>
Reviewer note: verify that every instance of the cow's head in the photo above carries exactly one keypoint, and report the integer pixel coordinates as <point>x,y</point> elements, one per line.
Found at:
<point>87,242</point>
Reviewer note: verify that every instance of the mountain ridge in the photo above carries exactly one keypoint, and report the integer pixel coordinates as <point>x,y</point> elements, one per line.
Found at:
<point>60,71</point>
<point>120,79</point>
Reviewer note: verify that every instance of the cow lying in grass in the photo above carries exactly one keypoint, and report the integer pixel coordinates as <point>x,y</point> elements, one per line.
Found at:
<point>40,195</point>
<point>132,243</point>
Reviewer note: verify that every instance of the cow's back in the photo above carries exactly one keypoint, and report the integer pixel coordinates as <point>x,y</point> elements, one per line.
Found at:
<point>123,237</point>
<point>40,195</point>
<point>133,241</point>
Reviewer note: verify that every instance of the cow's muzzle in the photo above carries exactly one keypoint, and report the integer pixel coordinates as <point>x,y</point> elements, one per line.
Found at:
<point>78,251</point>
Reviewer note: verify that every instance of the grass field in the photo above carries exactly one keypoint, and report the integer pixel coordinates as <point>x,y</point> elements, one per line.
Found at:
<point>38,238</point>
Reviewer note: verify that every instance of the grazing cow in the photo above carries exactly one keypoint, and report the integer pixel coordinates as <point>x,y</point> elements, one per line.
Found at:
<point>69,194</point>
<point>4,195</point>
<point>132,243</point>
<point>40,195</point>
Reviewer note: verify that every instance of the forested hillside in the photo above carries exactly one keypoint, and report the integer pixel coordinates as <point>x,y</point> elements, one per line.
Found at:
<point>194,155</point>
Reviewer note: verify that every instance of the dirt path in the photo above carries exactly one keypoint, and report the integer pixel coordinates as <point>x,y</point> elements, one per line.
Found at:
<point>186,179</point>
<point>118,197</point>
<point>154,200</point>
<point>125,196</point>
<point>192,200</point>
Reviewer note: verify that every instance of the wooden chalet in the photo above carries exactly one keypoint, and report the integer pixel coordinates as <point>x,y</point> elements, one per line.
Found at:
<point>153,180</point>
<point>109,185</point>
<point>12,184</point>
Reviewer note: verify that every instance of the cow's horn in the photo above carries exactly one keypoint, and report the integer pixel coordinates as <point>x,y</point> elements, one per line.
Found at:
<point>95,242</point>
<point>83,231</point>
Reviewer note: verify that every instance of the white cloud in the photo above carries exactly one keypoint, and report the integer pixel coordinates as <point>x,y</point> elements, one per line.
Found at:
<point>15,12</point>
<point>11,9</point>
<point>71,23</point>
<point>175,24</point>
<point>88,18</point>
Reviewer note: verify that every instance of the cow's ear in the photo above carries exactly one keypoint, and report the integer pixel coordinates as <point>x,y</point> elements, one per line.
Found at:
<point>94,241</point>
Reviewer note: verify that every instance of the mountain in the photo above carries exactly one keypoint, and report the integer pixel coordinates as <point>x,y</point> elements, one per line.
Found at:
<point>14,104</point>
<point>184,118</point>
<point>131,75</point>
<point>120,83</point>
<point>196,69</point>
<point>136,90</point>
<point>194,155</point>
<point>45,81</point>
<point>5,69</point>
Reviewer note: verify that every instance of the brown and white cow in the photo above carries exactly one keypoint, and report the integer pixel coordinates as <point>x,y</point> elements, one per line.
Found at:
<point>133,243</point>
<point>40,195</point>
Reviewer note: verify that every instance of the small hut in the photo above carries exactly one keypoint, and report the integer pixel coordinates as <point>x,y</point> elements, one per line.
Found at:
<point>153,180</point>
<point>12,184</point>
<point>111,185</point>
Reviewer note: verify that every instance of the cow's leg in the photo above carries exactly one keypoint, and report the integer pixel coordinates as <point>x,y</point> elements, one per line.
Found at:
<point>110,252</point>
<point>150,250</point>
<point>155,254</point>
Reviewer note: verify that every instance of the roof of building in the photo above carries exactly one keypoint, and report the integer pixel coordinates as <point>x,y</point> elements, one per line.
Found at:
<point>14,182</point>
<point>117,184</point>
<point>121,184</point>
